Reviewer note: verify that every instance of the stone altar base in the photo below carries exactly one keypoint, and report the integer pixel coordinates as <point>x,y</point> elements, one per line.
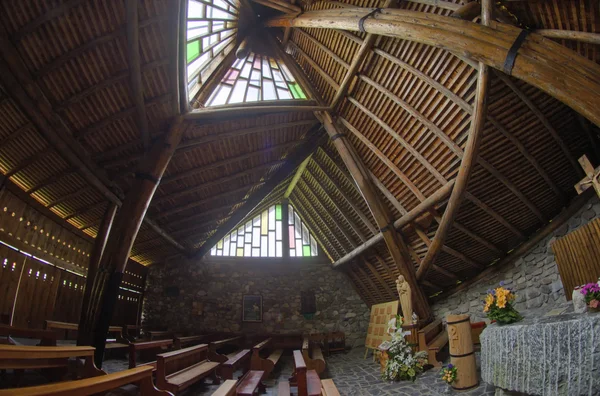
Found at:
<point>557,355</point>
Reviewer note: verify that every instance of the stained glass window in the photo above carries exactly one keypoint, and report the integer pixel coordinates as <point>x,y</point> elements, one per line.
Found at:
<point>302,242</point>
<point>261,236</point>
<point>211,30</point>
<point>256,78</point>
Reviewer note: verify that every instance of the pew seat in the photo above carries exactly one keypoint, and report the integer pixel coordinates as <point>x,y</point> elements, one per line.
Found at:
<point>177,370</point>
<point>46,337</point>
<point>134,347</point>
<point>249,384</point>
<point>227,388</point>
<point>313,357</point>
<point>215,347</point>
<point>240,359</point>
<point>328,388</point>
<point>432,339</point>
<point>142,376</point>
<point>307,381</point>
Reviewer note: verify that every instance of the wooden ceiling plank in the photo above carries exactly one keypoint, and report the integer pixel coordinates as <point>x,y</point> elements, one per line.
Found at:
<point>279,5</point>
<point>347,198</point>
<point>30,160</point>
<point>366,293</point>
<point>395,244</point>
<point>381,281</point>
<point>45,17</point>
<point>348,220</point>
<point>468,161</point>
<point>322,47</point>
<point>363,275</point>
<point>198,216</point>
<point>66,197</point>
<point>50,180</point>
<point>306,216</point>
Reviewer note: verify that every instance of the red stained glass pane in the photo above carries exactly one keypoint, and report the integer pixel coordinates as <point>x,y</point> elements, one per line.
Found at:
<point>231,76</point>
<point>292,239</point>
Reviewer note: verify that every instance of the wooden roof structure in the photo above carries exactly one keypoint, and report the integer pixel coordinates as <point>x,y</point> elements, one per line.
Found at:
<point>86,86</point>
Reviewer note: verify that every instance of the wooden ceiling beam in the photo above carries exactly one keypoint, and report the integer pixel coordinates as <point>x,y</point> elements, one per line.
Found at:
<point>388,268</point>
<point>315,66</point>
<point>363,274</point>
<point>215,182</point>
<point>394,242</point>
<point>16,133</point>
<point>296,177</point>
<point>348,220</point>
<point>544,120</point>
<point>227,161</point>
<point>570,35</point>
<point>202,214</point>
<point>575,83</point>
<point>468,160</point>
<point>347,198</point>
<point>50,180</point>
<point>85,209</point>
<point>280,5</point>
<point>30,161</point>
<point>220,113</point>
<point>45,17</point>
<point>382,282</point>
<point>366,293</point>
<point>314,139</point>
<point>322,47</point>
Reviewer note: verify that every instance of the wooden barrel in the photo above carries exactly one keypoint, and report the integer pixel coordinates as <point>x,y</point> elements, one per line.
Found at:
<point>462,354</point>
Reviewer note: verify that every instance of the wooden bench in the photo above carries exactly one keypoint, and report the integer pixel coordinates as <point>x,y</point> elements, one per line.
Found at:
<point>267,364</point>
<point>336,342</point>
<point>328,388</point>
<point>181,342</point>
<point>317,361</point>
<point>134,347</point>
<point>215,347</point>
<point>18,357</point>
<point>226,389</point>
<point>116,331</point>
<point>248,385</point>
<point>240,359</point>
<point>46,337</point>
<point>142,376</point>
<point>308,381</point>
<point>179,369</point>
<point>159,335</point>
<point>432,338</point>
<point>131,332</point>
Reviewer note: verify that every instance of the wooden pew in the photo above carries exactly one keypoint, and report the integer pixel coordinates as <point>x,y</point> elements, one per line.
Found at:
<point>131,332</point>
<point>177,370</point>
<point>432,338</point>
<point>116,331</point>
<point>181,342</point>
<point>142,376</point>
<point>317,361</point>
<point>264,364</point>
<point>19,357</point>
<point>328,388</point>
<point>134,347</point>
<point>308,381</point>
<point>248,385</point>
<point>226,389</point>
<point>159,335</point>
<point>46,337</point>
<point>215,346</point>
<point>241,359</point>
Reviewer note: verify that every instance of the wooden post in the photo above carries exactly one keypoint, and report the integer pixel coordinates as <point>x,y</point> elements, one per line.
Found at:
<point>285,230</point>
<point>97,314</point>
<point>575,83</point>
<point>95,258</point>
<point>243,50</point>
<point>462,354</point>
<point>395,244</point>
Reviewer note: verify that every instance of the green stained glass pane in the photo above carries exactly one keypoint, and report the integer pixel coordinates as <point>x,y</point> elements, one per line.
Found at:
<point>296,91</point>
<point>306,250</point>
<point>193,50</point>
<point>277,212</point>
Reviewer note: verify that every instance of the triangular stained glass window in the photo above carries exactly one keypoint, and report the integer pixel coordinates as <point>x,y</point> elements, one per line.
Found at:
<point>256,78</point>
<point>302,241</point>
<point>211,30</point>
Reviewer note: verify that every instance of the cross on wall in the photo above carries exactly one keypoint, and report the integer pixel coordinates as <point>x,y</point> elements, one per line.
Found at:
<point>592,177</point>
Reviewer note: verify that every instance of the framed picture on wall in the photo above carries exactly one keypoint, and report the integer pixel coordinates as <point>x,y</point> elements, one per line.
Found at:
<point>252,308</point>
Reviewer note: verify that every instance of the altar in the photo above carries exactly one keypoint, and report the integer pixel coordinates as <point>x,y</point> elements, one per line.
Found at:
<point>558,355</point>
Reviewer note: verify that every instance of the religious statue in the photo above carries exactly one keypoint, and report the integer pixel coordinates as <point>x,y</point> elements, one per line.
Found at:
<point>404,292</point>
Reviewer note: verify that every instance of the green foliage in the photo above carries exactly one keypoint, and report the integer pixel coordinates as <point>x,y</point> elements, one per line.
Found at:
<point>505,315</point>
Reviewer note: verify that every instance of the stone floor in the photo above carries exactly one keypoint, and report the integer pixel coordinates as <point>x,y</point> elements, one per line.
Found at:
<point>353,375</point>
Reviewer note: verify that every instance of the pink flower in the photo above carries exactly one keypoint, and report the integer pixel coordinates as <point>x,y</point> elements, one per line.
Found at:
<point>594,303</point>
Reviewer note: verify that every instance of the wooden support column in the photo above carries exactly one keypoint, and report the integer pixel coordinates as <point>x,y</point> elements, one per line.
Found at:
<point>395,244</point>
<point>95,258</point>
<point>97,314</point>
<point>285,230</point>
<point>466,166</point>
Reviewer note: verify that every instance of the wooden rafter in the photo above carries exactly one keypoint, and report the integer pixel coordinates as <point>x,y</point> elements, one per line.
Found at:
<point>384,285</point>
<point>297,177</point>
<point>322,239</point>
<point>216,113</point>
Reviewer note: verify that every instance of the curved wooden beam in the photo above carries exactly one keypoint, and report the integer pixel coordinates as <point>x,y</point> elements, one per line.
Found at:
<point>540,62</point>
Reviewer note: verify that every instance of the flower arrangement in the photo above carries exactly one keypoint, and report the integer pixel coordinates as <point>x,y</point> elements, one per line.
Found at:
<point>498,305</point>
<point>591,292</point>
<point>449,373</point>
<point>402,363</point>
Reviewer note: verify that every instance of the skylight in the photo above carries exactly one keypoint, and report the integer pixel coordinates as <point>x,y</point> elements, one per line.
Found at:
<point>254,79</point>
<point>211,31</point>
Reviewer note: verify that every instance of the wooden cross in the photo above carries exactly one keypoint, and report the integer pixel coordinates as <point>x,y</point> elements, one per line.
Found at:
<point>592,177</point>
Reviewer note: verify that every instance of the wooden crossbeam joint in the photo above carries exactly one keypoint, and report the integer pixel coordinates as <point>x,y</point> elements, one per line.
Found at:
<point>592,177</point>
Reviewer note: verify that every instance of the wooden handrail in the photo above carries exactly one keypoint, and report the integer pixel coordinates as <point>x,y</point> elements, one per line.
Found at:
<point>225,341</point>
<point>90,386</point>
<point>261,345</point>
<point>299,361</point>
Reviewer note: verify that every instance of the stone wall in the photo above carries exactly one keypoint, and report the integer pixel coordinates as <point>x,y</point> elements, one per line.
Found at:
<point>534,277</point>
<point>210,297</point>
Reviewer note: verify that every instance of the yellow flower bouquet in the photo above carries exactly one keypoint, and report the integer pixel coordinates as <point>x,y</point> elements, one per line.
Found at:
<point>498,305</point>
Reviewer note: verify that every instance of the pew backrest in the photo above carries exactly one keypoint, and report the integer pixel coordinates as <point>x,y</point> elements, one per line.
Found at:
<point>261,345</point>
<point>145,345</point>
<point>305,344</point>
<point>46,337</point>
<point>90,386</point>
<point>159,334</point>
<point>430,331</point>
<point>116,331</point>
<point>172,362</point>
<point>180,342</point>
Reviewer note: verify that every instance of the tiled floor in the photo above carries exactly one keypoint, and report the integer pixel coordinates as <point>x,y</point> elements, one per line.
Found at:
<point>353,375</point>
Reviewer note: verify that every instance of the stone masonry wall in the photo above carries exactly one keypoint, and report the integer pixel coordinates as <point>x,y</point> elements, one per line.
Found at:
<point>210,297</point>
<point>534,277</point>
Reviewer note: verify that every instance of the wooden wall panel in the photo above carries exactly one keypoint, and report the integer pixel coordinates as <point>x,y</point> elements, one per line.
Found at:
<point>578,256</point>
<point>11,264</point>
